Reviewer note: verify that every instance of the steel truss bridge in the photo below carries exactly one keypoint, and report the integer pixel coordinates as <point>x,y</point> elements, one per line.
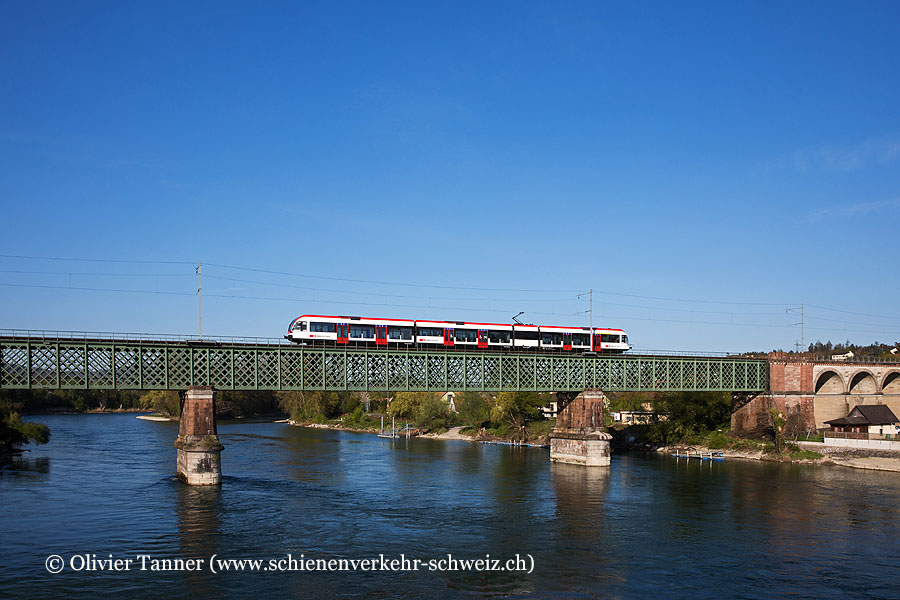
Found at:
<point>103,364</point>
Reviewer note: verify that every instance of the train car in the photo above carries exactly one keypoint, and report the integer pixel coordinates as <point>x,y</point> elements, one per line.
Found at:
<point>565,338</point>
<point>345,330</point>
<point>610,340</point>
<point>526,336</point>
<point>463,334</point>
<point>342,330</point>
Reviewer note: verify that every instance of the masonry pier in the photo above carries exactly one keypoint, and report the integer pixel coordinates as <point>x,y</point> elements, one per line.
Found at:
<point>578,437</point>
<point>199,449</point>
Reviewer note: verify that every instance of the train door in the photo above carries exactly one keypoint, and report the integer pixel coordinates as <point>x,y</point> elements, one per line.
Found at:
<point>448,337</point>
<point>596,344</point>
<point>482,338</point>
<point>343,333</point>
<point>567,341</point>
<point>381,335</point>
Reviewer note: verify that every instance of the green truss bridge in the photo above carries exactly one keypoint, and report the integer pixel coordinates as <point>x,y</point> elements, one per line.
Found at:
<point>30,360</point>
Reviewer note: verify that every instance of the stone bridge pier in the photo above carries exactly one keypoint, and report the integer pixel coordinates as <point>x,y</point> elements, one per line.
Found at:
<point>578,437</point>
<point>199,449</point>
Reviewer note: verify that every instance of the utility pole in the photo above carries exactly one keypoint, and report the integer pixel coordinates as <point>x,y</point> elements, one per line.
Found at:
<point>590,295</point>
<point>592,315</point>
<point>802,325</point>
<point>200,295</point>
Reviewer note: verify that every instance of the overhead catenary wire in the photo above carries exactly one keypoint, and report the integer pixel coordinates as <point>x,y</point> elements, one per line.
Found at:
<point>432,307</point>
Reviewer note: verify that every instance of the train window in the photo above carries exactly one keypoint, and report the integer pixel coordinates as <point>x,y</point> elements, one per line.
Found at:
<point>362,331</point>
<point>321,327</point>
<point>498,337</point>
<point>300,326</point>
<point>624,339</point>
<point>580,339</point>
<point>466,335</point>
<point>551,338</point>
<point>609,338</point>
<point>526,335</point>
<point>431,331</point>
<point>399,333</point>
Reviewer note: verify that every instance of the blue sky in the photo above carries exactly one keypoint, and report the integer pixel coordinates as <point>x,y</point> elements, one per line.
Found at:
<point>704,167</point>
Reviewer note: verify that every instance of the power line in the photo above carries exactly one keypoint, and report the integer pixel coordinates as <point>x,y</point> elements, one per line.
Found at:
<point>853,313</point>
<point>100,260</point>
<point>360,293</point>
<point>430,307</point>
<point>394,283</point>
<point>95,274</point>
<point>416,285</point>
<point>94,289</point>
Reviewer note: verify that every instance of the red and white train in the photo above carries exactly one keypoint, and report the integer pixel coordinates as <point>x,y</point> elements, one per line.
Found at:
<point>330,330</point>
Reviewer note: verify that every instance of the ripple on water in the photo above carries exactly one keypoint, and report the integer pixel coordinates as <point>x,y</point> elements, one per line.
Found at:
<point>646,527</point>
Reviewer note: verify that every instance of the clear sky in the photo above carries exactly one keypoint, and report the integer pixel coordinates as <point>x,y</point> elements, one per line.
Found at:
<point>705,167</point>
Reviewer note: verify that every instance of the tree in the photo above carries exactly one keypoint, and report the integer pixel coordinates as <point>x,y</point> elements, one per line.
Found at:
<point>433,412</point>
<point>778,425</point>
<point>406,405</point>
<point>14,432</point>
<point>165,403</point>
<point>309,406</point>
<point>513,409</point>
<point>474,408</point>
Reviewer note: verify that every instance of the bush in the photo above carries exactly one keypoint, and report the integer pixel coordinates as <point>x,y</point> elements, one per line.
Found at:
<point>718,440</point>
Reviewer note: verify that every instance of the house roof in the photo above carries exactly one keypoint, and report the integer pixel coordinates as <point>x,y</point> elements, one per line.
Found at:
<point>867,414</point>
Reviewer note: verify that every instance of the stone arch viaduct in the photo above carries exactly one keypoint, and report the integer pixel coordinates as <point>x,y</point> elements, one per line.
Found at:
<point>810,392</point>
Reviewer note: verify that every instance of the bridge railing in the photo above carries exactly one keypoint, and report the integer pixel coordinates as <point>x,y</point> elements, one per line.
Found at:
<point>690,353</point>
<point>63,335</point>
<point>857,359</point>
<point>852,435</point>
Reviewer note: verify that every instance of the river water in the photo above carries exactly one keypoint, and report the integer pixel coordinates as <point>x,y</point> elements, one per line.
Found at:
<point>647,527</point>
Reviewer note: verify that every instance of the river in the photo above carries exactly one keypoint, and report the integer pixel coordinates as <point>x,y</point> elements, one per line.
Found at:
<point>647,527</point>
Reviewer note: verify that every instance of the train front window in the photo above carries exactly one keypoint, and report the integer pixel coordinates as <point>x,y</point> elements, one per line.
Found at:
<point>300,326</point>
<point>624,339</point>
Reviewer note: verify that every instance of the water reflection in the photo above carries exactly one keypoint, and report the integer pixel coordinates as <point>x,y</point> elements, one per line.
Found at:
<point>199,528</point>
<point>25,463</point>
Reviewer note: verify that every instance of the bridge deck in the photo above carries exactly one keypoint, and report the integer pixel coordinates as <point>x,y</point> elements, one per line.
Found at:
<point>39,363</point>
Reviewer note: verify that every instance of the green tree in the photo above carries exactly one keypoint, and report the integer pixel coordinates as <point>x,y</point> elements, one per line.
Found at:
<point>163,402</point>
<point>309,406</point>
<point>434,412</point>
<point>474,408</point>
<point>14,432</point>
<point>513,409</point>
<point>406,405</point>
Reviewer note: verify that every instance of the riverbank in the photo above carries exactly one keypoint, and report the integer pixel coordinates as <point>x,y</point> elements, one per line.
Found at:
<point>454,433</point>
<point>828,456</point>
